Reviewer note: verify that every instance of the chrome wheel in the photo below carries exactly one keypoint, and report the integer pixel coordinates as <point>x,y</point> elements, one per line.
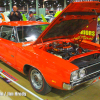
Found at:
<point>36,79</point>
<point>38,82</point>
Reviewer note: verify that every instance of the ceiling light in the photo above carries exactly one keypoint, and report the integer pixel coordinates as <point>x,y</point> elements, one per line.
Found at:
<point>4,3</point>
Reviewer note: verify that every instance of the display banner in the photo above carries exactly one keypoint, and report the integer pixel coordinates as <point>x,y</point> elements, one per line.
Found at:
<point>88,33</point>
<point>7,74</point>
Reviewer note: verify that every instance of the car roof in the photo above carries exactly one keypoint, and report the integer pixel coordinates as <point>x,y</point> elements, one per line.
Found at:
<point>22,23</point>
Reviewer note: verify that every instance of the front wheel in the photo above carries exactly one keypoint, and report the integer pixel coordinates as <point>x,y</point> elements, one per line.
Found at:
<point>38,82</point>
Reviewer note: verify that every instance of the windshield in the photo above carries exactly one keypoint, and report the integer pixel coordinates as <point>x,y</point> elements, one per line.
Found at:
<point>30,33</point>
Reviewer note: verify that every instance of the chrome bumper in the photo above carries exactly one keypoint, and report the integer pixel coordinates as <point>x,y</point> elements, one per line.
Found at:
<point>72,86</point>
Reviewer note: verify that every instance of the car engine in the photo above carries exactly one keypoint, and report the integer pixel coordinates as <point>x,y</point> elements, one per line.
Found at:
<point>65,50</point>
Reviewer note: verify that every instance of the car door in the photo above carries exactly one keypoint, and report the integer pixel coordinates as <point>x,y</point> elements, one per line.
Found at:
<point>8,44</point>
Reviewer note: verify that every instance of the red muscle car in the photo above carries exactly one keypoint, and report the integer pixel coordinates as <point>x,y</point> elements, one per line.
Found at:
<point>48,53</point>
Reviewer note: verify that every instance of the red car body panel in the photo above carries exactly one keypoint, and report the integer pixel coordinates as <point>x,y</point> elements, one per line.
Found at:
<point>56,71</point>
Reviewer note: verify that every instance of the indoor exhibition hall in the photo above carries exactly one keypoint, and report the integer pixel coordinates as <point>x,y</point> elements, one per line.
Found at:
<point>49,49</point>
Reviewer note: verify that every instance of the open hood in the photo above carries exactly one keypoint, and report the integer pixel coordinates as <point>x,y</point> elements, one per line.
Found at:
<point>71,21</point>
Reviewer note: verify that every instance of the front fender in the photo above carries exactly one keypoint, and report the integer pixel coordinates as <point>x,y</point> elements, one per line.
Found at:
<point>54,69</point>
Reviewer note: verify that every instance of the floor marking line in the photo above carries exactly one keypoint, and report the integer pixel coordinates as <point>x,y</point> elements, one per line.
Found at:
<point>21,86</point>
<point>19,91</point>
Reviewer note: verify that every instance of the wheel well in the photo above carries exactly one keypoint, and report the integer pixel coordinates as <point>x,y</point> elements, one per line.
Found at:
<point>26,69</point>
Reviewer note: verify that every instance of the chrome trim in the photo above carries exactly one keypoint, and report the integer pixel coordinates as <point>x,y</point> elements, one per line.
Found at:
<point>80,79</point>
<point>91,65</point>
<point>16,35</point>
<point>71,86</point>
<point>84,82</point>
<point>36,79</point>
<point>0,30</point>
<point>67,86</point>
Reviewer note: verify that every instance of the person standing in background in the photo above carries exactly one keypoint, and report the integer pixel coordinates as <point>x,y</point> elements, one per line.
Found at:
<point>15,15</point>
<point>31,16</point>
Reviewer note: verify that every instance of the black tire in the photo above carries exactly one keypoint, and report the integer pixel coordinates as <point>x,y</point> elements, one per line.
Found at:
<point>38,82</point>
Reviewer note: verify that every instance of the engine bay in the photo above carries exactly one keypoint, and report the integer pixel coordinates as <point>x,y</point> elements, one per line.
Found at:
<point>65,50</point>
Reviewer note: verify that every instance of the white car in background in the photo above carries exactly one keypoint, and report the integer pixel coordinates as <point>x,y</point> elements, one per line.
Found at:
<point>6,18</point>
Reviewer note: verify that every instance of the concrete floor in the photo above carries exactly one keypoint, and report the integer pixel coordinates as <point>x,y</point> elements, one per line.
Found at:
<point>84,92</point>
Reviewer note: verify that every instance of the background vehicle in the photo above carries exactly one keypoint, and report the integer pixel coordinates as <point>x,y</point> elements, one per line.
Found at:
<point>4,18</point>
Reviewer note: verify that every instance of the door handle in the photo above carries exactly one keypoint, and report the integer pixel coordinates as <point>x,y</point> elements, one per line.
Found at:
<point>12,56</point>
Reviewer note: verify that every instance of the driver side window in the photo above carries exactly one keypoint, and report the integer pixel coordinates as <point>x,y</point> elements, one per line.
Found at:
<point>7,33</point>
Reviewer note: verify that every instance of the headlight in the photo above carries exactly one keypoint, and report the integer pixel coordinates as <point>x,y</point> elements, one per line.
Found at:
<point>82,73</point>
<point>74,76</point>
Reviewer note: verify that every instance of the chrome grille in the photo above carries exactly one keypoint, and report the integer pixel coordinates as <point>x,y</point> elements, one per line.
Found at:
<point>92,68</point>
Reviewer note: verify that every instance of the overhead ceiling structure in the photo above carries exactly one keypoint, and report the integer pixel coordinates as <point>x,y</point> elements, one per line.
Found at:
<point>32,3</point>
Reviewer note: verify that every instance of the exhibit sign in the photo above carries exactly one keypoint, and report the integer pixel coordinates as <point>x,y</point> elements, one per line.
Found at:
<point>7,74</point>
<point>88,33</point>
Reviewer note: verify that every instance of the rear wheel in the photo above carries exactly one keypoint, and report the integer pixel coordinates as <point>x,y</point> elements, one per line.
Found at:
<point>38,82</point>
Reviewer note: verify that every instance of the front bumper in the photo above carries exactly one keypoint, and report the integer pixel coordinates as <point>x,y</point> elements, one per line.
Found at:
<point>72,85</point>
<point>91,66</point>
